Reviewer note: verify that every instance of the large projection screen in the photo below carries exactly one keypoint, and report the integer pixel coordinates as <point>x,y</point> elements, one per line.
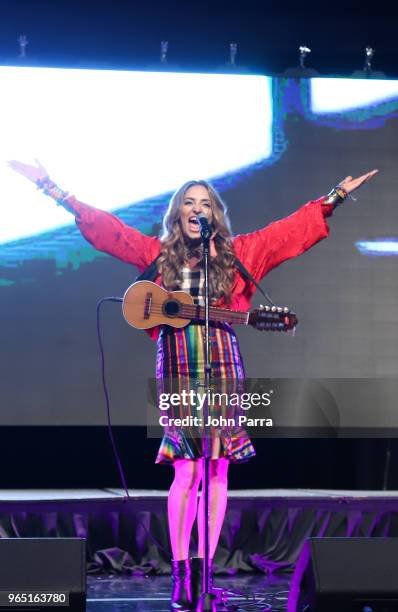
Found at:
<point>124,141</point>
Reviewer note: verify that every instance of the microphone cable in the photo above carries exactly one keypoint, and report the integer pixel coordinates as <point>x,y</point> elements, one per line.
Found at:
<point>106,393</point>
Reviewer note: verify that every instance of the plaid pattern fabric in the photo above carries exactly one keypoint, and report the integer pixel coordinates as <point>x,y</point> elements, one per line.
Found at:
<point>193,283</point>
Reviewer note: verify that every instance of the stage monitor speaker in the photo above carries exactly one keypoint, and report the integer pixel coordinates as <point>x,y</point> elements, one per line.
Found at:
<point>346,574</point>
<point>43,574</point>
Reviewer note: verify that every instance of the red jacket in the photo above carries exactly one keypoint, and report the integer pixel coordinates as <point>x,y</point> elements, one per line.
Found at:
<point>259,251</point>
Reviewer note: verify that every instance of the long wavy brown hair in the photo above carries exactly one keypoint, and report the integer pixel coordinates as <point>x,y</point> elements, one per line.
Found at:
<point>175,249</point>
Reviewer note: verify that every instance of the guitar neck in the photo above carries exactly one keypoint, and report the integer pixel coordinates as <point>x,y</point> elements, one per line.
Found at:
<point>192,311</point>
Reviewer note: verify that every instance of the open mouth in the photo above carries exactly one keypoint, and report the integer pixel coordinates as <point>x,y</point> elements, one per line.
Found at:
<point>193,224</point>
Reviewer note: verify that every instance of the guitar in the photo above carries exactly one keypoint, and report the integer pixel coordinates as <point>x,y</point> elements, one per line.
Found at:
<point>146,305</point>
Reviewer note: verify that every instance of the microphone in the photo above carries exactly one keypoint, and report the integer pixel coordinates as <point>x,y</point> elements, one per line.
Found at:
<point>205,227</point>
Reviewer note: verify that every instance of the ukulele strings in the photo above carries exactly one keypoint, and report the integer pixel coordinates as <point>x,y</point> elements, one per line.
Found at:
<point>191,311</point>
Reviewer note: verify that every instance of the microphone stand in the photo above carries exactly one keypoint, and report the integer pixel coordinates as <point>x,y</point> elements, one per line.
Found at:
<point>207,601</point>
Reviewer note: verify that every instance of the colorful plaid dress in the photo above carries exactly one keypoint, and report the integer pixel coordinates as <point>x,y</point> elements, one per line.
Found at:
<point>180,359</point>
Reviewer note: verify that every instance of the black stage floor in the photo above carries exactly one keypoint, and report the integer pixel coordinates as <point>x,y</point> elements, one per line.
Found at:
<point>152,594</point>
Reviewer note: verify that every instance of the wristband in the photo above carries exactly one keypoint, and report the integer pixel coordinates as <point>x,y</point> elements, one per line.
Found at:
<point>51,189</point>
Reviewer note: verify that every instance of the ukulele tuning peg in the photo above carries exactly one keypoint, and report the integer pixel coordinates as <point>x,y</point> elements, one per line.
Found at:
<point>261,306</point>
<point>286,309</point>
<point>273,309</point>
<point>280,309</point>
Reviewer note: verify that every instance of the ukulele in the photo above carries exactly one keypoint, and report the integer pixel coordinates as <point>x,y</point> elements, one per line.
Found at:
<point>147,305</point>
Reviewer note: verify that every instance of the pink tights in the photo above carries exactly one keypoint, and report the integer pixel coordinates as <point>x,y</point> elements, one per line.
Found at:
<point>183,504</point>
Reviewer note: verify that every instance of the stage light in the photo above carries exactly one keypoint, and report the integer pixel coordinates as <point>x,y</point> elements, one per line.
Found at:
<point>233,51</point>
<point>164,47</point>
<point>231,64</point>
<point>301,71</point>
<point>23,42</point>
<point>367,72</point>
<point>304,51</point>
<point>369,53</point>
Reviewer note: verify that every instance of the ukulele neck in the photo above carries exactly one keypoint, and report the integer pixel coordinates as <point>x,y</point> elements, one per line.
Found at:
<point>192,311</point>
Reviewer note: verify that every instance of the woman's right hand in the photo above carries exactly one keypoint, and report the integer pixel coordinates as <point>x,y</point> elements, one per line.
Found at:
<point>33,173</point>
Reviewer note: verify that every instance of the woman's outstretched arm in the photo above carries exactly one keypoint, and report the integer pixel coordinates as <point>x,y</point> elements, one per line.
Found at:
<point>263,250</point>
<point>103,230</point>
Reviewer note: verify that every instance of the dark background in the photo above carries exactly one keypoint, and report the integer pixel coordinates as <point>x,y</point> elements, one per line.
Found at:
<point>128,34</point>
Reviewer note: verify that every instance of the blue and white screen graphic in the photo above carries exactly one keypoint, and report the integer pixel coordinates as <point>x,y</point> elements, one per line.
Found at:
<point>118,137</point>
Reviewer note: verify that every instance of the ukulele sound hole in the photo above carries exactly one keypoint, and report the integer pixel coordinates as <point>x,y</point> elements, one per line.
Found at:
<point>171,308</point>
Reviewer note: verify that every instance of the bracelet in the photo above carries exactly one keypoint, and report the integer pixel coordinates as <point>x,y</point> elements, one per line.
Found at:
<point>336,196</point>
<point>51,189</point>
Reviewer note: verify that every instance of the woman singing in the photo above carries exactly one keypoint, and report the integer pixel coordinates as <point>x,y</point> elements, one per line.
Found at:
<point>178,255</point>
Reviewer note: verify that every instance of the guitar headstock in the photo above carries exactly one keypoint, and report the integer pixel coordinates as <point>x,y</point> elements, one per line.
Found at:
<point>273,318</point>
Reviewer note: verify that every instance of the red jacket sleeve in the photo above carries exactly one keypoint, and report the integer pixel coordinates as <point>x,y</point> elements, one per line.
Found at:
<point>109,234</point>
<point>266,248</point>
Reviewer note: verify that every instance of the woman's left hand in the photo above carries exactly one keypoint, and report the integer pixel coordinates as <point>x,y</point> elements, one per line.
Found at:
<point>350,184</point>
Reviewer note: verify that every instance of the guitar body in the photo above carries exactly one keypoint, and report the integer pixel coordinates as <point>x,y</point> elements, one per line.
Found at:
<point>146,305</point>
